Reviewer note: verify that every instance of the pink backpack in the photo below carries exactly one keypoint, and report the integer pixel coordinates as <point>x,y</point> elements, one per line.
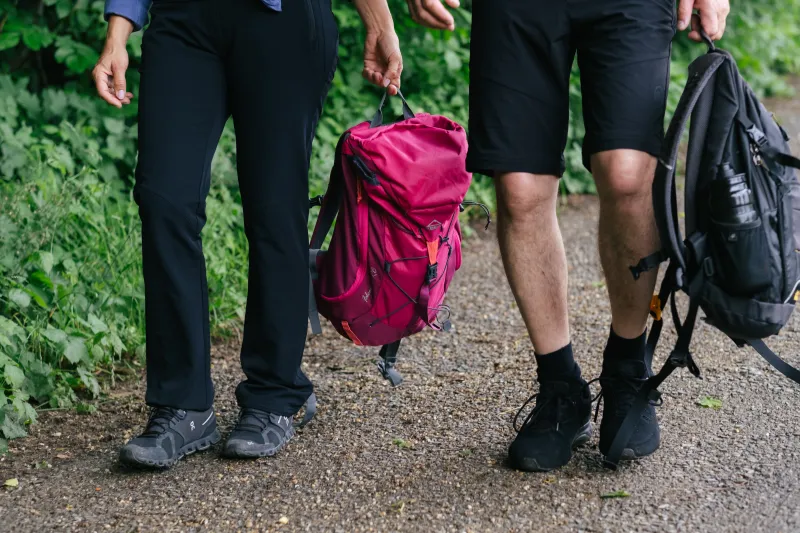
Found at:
<point>397,191</point>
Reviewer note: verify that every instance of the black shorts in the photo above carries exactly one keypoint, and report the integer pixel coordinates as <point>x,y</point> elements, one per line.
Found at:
<point>521,57</point>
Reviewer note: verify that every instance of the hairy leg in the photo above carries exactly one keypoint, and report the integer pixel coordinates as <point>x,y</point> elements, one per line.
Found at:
<point>533,255</point>
<point>627,233</point>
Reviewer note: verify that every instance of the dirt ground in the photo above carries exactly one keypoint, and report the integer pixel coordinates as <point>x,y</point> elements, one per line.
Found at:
<point>429,455</point>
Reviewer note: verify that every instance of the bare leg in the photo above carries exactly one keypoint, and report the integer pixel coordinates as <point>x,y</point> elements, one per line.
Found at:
<point>533,255</point>
<point>627,233</point>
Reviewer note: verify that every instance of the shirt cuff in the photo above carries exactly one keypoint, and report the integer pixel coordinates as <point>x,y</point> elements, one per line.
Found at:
<point>135,11</point>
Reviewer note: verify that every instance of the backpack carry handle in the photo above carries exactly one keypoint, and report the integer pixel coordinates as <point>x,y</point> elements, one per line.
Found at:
<point>377,120</point>
<point>707,40</point>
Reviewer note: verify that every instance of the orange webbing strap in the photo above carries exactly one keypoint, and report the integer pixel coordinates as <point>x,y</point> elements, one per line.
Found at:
<point>655,307</point>
<point>433,251</point>
<point>350,333</point>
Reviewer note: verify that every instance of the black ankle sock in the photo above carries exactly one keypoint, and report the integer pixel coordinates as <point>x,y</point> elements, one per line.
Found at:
<point>560,363</point>
<point>619,348</point>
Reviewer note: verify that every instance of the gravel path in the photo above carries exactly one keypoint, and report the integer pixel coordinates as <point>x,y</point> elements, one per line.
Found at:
<point>429,456</point>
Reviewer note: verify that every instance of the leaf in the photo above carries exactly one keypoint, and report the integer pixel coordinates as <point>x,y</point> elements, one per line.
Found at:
<point>41,288</point>
<point>401,443</point>
<point>96,324</point>
<point>19,297</point>
<point>14,375</point>
<point>3,446</point>
<point>90,381</point>
<point>39,386</point>
<point>77,56</point>
<point>8,40</point>
<point>12,329</point>
<point>13,482</point>
<point>114,125</point>
<point>55,335</point>
<point>36,37</point>
<point>85,408</point>
<point>452,60</point>
<point>25,411</point>
<point>615,494</point>
<point>63,8</point>
<point>11,428</point>
<point>47,263</point>
<point>76,350</point>
<point>710,403</point>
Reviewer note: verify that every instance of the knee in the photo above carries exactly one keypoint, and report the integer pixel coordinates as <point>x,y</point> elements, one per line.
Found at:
<point>623,175</point>
<point>159,214</point>
<point>521,196</point>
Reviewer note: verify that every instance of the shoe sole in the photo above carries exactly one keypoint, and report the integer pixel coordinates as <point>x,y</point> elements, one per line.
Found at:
<point>583,436</point>
<point>629,454</point>
<point>256,454</point>
<point>193,447</point>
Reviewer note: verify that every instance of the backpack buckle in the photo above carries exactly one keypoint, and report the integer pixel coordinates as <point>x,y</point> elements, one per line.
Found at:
<point>756,135</point>
<point>656,308</point>
<point>648,263</point>
<point>683,359</point>
<point>431,273</point>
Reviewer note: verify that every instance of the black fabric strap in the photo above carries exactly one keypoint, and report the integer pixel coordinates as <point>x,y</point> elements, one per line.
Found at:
<point>701,72</point>
<point>329,208</point>
<point>760,140</point>
<point>779,364</point>
<point>377,120</point>
<point>332,199</point>
<point>311,410</point>
<point>648,263</point>
<point>313,314</point>
<point>667,288</point>
<point>388,355</point>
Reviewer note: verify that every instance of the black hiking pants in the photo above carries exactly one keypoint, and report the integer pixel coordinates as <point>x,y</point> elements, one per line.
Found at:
<point>202,62</point>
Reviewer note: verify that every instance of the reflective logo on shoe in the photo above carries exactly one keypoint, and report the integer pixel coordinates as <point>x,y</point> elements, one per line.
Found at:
<point>191,425</point>
<point>209,418</point>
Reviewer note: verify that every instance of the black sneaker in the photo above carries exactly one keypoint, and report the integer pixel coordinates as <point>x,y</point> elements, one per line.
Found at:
<point>258,434</point>
<point>170,435</point>
<point>559,422</point>
<point>620,382</point>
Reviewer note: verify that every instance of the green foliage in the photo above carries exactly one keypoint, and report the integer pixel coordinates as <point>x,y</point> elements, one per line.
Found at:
<point>71,294</point>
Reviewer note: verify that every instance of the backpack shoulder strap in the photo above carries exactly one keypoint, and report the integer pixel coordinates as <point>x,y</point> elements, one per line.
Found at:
<point>779,364</point>
<point>329,206</point>
<point>701,72</point>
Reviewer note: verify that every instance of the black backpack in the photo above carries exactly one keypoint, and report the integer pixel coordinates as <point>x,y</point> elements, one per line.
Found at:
<point>740,258</point>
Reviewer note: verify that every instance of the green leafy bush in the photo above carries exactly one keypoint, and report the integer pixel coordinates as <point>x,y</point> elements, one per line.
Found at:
<point>71,308</point>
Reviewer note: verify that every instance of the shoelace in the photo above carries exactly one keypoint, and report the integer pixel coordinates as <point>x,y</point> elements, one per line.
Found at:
<point>159,420</point>
<point>557,391</point>
<point>620,383</point>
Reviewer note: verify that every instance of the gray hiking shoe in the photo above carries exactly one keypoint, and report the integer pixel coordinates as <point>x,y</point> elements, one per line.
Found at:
<point>170,435</point>
<point>258,434</point>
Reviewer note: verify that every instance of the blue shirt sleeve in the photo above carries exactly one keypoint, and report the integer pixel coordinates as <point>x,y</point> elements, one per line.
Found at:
<point>133,10</point>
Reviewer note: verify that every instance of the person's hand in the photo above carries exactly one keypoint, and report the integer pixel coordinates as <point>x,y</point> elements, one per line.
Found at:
<point>432,14</point>
<point>383,63</point>
<point>109,73</point>
<point>711,17</point>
